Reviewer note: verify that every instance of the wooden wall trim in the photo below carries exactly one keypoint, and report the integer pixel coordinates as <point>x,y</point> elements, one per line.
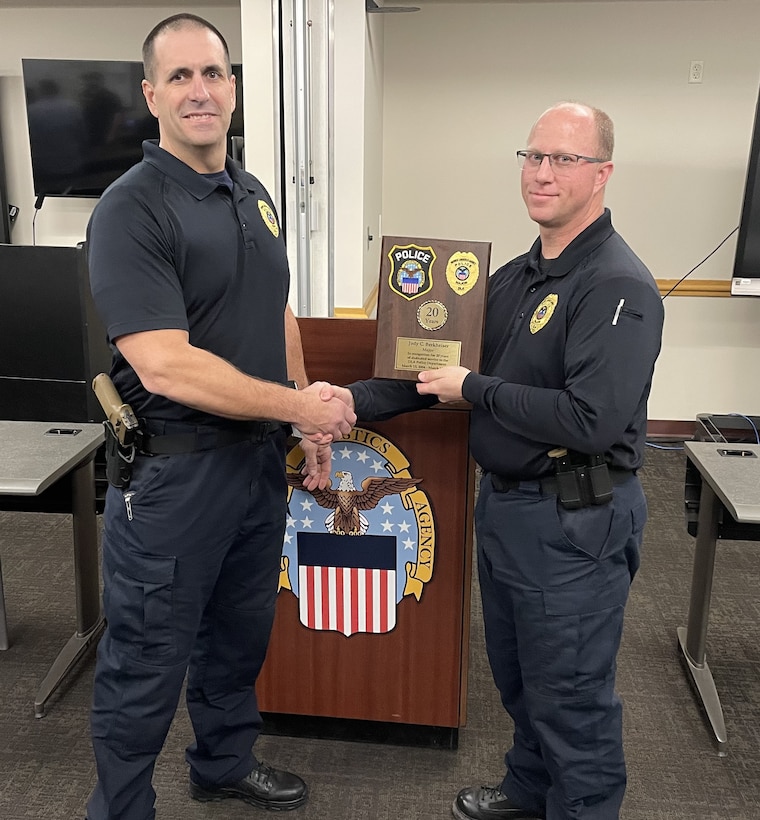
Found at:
<point>366,311</point>
<point>351,313</point>
<point>696,287</point>
<point>663,428</point>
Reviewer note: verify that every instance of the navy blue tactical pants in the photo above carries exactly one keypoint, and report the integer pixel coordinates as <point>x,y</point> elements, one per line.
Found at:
<point>554,583</point>
<point>191,556</point>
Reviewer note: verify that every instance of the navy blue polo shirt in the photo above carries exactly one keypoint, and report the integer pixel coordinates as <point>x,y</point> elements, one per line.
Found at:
<point>568,358</point>
<point>171,249</point>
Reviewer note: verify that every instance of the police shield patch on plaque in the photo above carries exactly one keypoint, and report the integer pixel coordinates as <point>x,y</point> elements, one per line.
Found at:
<point>411,273</point>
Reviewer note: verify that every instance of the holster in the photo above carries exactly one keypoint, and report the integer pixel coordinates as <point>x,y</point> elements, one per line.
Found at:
<point>119,459</point>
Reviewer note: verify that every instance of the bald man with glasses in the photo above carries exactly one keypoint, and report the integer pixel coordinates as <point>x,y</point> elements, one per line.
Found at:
<point>558,426</point>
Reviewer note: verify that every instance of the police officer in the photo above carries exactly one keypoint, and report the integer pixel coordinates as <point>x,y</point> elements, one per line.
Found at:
<point>572,331</point>
<point>189,273</point>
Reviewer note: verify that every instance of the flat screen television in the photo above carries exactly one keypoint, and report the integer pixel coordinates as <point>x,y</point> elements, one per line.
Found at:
<point>87,120</point>
<point>747,260</point>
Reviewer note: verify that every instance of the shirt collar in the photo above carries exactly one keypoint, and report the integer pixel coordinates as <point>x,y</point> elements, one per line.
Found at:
<point>194,183</point>
<point>586,242</point>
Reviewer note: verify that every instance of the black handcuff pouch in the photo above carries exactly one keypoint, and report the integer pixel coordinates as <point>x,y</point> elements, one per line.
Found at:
<point>583,481</point>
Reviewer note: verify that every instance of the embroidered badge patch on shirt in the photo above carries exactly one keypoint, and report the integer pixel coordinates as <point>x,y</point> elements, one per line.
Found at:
<point>269,218</point>
<point>543,313</point>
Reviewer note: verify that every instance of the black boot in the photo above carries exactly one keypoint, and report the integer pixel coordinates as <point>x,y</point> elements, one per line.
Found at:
<point>486,803</point>
<point>265,787</point>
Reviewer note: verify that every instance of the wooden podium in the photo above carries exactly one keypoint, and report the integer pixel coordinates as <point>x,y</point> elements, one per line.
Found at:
<point>415,673</point>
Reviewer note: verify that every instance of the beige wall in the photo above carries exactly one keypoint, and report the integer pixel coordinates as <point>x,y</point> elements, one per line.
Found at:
<point>464,83</point>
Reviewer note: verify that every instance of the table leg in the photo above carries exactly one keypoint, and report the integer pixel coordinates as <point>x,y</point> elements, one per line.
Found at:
<point>90,621</point>
<point>3,622</point>
<point>693,638</point>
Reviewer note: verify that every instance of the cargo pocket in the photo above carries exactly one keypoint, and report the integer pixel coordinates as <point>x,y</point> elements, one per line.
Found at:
<point>580,642</point>
<point>141,608</point>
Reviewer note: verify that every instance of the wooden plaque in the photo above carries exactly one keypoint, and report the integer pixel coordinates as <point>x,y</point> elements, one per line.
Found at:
<point>431,305</point>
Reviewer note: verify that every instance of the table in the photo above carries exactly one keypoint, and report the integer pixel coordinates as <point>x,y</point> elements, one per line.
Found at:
<point>731,482</point>
<point>35,455</point>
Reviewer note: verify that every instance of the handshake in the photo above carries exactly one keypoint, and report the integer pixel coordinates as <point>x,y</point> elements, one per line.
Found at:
<point>328,412</point>
<point>331,408</point>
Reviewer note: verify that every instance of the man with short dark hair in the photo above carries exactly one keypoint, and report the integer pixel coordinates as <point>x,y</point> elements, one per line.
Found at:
<point>189,273</point>
<point>572,332</point>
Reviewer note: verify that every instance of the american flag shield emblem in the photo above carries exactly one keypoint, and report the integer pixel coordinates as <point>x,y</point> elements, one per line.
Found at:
<point>411,270</point>
<point>410,283</point>
<point>347,584</point>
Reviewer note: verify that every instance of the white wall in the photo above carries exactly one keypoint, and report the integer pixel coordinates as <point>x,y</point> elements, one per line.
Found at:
<point>349,152</point>
<point>465,82</point>
<point>259,99</point>
<point>81,33</point>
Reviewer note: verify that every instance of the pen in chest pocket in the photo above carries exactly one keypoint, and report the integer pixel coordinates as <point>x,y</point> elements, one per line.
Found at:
<point>617,311</point>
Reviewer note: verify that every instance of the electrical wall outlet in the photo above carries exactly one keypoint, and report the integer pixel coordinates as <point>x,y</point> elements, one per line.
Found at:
<point>696,70</point>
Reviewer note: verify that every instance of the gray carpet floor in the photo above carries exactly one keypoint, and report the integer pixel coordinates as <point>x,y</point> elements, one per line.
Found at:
<point>46,765</point>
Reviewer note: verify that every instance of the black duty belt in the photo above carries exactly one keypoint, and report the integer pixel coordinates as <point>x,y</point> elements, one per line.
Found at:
<point>205,438</point>
<point>548,484</point>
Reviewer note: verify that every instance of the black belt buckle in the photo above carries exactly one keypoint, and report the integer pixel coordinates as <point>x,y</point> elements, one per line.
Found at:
<point>262,430</point>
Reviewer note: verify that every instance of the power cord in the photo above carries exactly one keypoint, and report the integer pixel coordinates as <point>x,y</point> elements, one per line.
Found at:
<point>720,245</point>
<point>37,205</point>
<point>663,446</point>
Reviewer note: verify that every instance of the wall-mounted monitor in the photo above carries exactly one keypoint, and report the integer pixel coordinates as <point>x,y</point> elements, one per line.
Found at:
<point>87,120</point>
<point>5,207</point>
<point>747,261</point>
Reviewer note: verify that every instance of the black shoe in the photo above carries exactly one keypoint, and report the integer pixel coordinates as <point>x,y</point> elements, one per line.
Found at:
<point>485,803</point>
<point>265,788</point>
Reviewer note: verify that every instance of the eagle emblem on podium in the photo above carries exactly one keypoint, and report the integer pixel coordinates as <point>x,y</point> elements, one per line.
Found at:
<point>347,502</point>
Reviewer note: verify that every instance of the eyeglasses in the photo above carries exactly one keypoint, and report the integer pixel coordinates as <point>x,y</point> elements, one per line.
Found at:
<point>560,163</point>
